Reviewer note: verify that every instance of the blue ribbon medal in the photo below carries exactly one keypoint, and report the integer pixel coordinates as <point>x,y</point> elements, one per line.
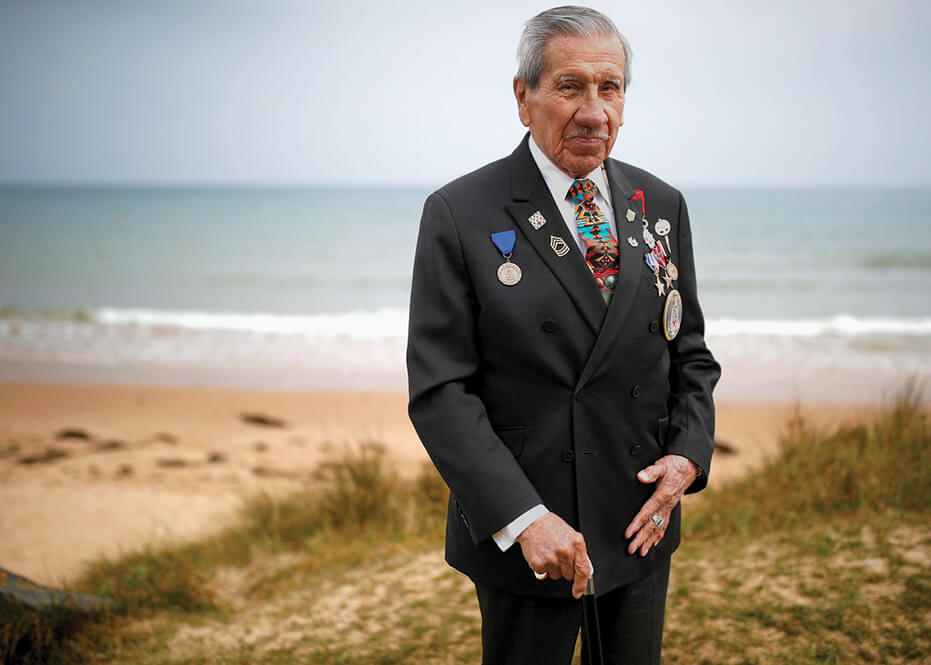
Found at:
<point>509,273</point>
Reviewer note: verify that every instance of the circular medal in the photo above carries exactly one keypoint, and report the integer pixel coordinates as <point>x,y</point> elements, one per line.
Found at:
<point>509,273</point>
<point>663,227</point>
<point>672,315</point>
<point>671,270</point>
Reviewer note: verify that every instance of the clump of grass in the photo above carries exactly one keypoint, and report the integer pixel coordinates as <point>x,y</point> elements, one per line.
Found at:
<point>878,467</point>
<point>359,495</point>
<point>31,636</point>
<point>167,578</point>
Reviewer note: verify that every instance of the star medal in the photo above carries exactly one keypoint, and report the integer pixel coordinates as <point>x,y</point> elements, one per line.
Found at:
<point>656,261</point>
<point>509,273</point>
<point>650,259</point>
<point>672,315</point>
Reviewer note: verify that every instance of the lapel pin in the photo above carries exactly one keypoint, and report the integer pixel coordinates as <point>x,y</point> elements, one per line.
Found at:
<point>536,220</point>
<point>559,246</point>
<point>631,215</point>
<point>632,241</point>
<point>662,227</point>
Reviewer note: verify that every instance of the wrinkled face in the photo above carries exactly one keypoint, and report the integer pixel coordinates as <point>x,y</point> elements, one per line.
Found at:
<point>578,106</point>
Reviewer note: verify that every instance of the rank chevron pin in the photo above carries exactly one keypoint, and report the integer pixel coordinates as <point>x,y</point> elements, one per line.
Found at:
<point>559,246</point>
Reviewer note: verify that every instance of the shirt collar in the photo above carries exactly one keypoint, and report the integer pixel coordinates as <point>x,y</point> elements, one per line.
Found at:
<point>559,182</point>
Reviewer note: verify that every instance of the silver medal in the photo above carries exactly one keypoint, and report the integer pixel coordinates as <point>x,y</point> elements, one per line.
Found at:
<point>509,273</point>
<point>663,227</point>
<point>648,238</point>
<point>672,315</point>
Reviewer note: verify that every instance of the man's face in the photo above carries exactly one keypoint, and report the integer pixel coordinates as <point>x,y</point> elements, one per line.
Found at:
<point>578,106</point>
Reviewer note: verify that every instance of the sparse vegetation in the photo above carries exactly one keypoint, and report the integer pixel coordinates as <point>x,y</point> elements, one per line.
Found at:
<point>823,556</point>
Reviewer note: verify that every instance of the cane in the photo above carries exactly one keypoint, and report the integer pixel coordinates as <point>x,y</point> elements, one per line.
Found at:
<point>591,642</point>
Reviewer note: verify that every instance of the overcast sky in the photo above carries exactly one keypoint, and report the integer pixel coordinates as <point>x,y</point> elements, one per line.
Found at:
<point>276,91</point>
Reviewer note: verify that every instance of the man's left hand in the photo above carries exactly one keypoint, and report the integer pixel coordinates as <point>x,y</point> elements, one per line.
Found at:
<point>673,474</point>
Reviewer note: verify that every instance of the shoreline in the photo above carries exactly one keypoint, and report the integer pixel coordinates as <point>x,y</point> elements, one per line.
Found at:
<point>145,464</point>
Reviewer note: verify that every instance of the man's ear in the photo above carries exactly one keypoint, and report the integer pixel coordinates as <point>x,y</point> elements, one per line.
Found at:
<point>521,92</point>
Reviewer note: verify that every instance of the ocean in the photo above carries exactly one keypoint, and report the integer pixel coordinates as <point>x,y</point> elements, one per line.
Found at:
<point>809,293</point>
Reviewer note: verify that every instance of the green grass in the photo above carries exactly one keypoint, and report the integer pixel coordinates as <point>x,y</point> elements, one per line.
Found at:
<point>822,556</point>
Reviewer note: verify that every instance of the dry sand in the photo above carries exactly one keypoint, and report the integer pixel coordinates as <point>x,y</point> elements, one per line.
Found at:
<point>167,463</point>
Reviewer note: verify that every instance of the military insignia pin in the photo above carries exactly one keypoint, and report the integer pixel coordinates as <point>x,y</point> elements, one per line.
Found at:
<point>631,215</point>
<point>632,241</point>
<point>536,220</point>
<point>663,227</point>
<point>559,246</point>
<point>672,315</point>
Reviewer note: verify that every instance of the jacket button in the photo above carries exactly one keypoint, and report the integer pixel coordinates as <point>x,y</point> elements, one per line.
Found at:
<point>549,325</point>
<point>654,326</point>
<point>579,394</point>
<point>635,450</point>
<point>568,456</point>
<point>635,391</point>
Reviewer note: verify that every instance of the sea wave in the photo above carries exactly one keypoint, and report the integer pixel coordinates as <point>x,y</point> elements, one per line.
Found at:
<point>392,322</point>
<point>360,324</point>
<point>836,326</point>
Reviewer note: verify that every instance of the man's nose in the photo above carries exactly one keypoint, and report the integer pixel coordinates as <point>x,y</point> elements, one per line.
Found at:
<point>591,111</point>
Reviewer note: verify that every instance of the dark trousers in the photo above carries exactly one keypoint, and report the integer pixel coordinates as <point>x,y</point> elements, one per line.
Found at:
<point>520,630</point>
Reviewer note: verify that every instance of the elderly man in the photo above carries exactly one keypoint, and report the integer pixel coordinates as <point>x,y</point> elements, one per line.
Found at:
<point>558,373</point>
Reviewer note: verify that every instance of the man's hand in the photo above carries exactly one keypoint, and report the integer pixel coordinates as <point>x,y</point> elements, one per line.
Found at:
<point>552,546</point>
<point>675,473</point>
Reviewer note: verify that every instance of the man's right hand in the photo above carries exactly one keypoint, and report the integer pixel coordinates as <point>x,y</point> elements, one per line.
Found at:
<point>552,546</point>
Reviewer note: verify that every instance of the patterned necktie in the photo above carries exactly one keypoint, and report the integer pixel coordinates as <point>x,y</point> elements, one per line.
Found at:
<point>601,251</point>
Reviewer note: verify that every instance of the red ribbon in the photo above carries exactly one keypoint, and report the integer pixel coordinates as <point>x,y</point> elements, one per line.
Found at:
<point>638,194</point>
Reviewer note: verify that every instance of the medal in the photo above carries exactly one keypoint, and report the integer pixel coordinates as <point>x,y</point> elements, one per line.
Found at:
<point>648,238</point>
<point>662,227</point>
<point>509,273</point>
<point>672,315</point>
<point>672,270</point>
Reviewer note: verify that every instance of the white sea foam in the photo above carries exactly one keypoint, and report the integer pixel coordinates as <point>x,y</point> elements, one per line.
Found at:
<point>379,324</point>
<point>841,325</point>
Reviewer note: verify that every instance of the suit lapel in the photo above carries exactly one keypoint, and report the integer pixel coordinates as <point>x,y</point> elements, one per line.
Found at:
<point>631,266</point>
<point>552,241</point>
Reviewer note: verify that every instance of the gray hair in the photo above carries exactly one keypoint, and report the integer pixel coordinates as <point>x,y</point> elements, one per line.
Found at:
<point>569,20</point>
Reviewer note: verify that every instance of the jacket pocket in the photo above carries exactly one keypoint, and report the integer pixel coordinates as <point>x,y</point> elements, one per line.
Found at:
<point>513,438</point>
<point>662,430</point>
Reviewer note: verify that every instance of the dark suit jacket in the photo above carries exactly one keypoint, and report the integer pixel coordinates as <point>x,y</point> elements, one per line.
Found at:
<point>539,392</point>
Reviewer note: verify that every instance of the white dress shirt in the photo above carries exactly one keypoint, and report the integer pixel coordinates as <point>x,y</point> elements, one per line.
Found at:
<point>559,183</point>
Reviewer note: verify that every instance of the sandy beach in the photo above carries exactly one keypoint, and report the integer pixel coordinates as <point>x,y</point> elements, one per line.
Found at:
<point>92,470</point>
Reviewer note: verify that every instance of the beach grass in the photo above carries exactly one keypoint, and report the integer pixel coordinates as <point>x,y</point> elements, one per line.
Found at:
<point>821,556</point>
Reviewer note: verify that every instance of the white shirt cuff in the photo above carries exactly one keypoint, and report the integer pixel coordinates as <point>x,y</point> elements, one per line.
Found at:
<point>508,535</point>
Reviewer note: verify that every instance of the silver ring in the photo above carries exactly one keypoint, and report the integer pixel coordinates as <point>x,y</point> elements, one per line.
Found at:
<point>540,576</point>
<point>658,521</point>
